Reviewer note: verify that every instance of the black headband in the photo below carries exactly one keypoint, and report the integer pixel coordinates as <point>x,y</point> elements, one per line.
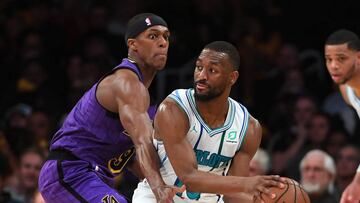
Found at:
<point>140,23</point>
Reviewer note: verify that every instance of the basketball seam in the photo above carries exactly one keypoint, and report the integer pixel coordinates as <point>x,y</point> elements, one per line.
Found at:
<point>295,199</point>
<point>287,188</point>
<point>302,194</point>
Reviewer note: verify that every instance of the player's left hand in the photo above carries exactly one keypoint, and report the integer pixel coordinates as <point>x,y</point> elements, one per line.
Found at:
<point>166,193</point>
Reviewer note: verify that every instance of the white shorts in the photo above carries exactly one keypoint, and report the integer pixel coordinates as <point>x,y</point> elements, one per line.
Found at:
<point>143,194</point>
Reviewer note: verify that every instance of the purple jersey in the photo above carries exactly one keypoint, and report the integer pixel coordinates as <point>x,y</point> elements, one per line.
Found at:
<point>94,134</point>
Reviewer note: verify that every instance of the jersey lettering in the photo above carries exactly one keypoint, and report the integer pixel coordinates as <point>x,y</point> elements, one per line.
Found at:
<point>213,160</point>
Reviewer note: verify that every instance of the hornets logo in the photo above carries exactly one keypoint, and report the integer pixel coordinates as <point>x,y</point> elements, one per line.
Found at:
<point>116,164</point>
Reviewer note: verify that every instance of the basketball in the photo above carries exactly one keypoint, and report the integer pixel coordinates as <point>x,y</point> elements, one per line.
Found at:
<point>291,193</point>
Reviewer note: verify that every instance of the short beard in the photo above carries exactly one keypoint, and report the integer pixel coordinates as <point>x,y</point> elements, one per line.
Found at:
<point>349,76</point>
<point>205,97</point>
<point>208,96</point>
<point>312,188</point>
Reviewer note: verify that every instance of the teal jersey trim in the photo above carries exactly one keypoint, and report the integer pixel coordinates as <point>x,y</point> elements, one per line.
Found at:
<point>176,97</point>
<point>244,127</point>
<point>229,119</point>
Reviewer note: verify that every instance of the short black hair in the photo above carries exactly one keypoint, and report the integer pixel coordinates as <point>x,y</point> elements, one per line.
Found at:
<point>227,48</point>
<point>343,36</point>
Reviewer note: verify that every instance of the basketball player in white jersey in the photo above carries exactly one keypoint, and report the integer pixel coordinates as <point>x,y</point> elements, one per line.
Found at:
<point>342,54</point>
<point>205,139</point>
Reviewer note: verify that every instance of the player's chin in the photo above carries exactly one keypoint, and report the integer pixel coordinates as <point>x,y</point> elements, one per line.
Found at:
<point>159,65</point>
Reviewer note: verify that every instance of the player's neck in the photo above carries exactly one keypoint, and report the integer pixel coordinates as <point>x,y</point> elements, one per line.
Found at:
<point>148,73</point>
<point>213,112</point>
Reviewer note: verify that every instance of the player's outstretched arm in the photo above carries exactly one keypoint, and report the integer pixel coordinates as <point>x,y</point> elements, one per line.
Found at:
<point>132,99</point>
<point>351,193</point>
<point>171,125</point>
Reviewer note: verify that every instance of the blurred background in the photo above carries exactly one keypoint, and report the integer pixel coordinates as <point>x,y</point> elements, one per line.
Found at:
<point>52,51</point>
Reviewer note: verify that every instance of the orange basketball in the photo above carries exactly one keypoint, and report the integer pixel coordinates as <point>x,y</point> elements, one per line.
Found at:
<point>291,193</point>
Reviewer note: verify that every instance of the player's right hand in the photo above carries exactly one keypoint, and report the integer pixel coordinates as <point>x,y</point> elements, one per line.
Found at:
<point>258,185</point>
<point>166,193</point>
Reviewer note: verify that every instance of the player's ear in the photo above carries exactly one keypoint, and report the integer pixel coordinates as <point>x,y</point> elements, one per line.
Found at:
<point>132,44</point>
<point>234,75</point>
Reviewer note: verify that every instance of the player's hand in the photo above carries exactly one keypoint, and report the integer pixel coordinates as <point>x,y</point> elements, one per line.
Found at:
<point>258,185</point>
<point>351,193</point>
<point>166,193</point>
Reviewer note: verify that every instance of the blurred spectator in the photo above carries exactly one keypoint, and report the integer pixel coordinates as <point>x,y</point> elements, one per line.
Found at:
<point>318,174</point>
<point>337,140</point>
<point>16,128</point>
<point>41,126</point>
<point>17,116</point>
<point>287,143</point>
<point>26,179</point>
<point>5,150</point>
<point>260,163</point>
<point>347,162</point>
<point>5,197</point>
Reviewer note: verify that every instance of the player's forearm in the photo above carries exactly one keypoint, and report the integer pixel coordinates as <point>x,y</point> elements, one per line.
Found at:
<point>204,182</point>
<point>139,127</point>
<point>149,164</point>
<point>240,197</point>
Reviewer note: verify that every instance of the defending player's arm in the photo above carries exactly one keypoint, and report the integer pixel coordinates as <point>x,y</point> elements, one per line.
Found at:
<point>241,161</point>
<point>171,125</point>
<point>132,101</point>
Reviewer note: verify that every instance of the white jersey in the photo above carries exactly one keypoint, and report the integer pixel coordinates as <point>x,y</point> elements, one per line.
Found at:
<point>214,148</point>
<point>353,99</point>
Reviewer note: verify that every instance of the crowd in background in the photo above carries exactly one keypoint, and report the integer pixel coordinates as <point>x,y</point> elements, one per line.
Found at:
<point>52,51</point>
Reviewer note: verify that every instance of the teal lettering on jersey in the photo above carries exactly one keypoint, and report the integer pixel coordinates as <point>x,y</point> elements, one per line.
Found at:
<point>190,195</point>
<point>213,160</point>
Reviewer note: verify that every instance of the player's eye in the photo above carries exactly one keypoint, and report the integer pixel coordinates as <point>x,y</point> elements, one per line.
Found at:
<point>152,36</point>
<point>166,37</point>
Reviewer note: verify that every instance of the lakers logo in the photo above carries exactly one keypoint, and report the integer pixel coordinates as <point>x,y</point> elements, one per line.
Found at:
<point>116,164</point>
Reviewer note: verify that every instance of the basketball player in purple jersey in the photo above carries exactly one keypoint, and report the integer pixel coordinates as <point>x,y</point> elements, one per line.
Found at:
<point>93,145</point>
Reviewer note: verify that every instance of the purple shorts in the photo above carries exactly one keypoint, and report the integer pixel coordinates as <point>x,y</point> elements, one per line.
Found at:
<point>75,181</point>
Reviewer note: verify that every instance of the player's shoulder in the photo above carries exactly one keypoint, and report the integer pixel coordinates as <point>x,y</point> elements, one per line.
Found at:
<point>180,95</point>
<point>238,105</point>
<point>179,92</point>
<point>125,74</point>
